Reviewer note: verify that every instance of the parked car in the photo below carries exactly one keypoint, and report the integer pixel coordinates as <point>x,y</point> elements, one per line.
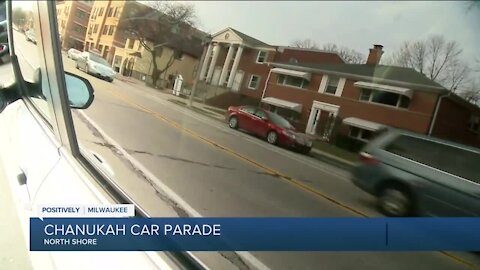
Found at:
<point>30,36</point>
<point>74,54</point>
<point>271,126</point>
<point>95,65</point>
<point>413,174</point>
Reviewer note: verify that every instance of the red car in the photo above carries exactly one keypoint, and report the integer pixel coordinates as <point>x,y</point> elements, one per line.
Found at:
<point>271,126</point>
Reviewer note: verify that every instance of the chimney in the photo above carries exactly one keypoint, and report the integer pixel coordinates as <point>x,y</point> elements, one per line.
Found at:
<point>375,55</point>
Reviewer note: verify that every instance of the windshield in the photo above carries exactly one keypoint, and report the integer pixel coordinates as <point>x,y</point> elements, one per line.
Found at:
<point>97,59</point>
<point>280,121</point>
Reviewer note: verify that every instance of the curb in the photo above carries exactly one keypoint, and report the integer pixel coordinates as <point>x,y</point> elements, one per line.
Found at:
<point>331,159</point>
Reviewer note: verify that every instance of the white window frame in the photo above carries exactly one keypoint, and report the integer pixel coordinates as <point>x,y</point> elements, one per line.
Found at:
<point>397,106</point>
<point>474,120</point>
<point>328,84</point>
<point>258,56</point>
<point>289,85</point>
<point>250,82</point>
<point>360,133</point>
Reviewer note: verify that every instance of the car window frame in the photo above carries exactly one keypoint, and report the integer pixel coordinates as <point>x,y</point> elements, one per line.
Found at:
<point>63,131</point>
<point>39,114</point>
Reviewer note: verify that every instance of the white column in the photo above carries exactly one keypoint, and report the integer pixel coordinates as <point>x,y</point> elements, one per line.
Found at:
<point>226,65</point>
<point>216,51</point>
<point>235,66</point>
<point>203,71</point>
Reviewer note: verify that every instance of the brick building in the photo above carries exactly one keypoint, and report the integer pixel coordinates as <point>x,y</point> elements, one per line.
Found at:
<point>233,52</point>
<point>323,96</point>
<point>72,18</point>
<point>103,32</point>
<point>357,100</point>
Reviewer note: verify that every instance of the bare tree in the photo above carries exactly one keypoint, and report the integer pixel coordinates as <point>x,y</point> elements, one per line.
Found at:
<point>305,44</point>
<point>435,57</point>
<point>470,5</point>
<point>160,24</point>
<point>472,93</point>
<point>457,76</point>
<point>350,56</point>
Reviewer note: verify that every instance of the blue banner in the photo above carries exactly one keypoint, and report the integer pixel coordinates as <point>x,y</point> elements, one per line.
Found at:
<point>254,234</point>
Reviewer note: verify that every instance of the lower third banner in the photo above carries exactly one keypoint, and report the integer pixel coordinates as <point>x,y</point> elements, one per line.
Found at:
<point>254,234</point>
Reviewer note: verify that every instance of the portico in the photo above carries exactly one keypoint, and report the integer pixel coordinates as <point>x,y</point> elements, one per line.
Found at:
<point>222,64</point>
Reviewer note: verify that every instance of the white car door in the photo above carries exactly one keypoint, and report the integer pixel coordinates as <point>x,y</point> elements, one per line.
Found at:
<point>37,149</point>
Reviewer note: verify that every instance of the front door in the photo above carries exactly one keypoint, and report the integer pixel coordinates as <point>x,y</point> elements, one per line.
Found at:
<point>216,76</point>
<point>322,119</point>
<point>325,124</point>
<point>237,81</point>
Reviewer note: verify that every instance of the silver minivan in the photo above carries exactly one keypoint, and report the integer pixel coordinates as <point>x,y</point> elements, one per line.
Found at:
<point>413,174</point>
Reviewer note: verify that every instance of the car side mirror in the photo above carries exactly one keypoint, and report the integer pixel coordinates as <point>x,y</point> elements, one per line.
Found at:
<point>79,91</point>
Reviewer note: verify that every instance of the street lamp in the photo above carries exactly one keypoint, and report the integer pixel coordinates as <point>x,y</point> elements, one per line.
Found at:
<point>205,41</point>
<point>135,55</point>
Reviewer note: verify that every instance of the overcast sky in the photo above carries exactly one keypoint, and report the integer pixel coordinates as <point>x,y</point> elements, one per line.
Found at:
<point>356,25</point>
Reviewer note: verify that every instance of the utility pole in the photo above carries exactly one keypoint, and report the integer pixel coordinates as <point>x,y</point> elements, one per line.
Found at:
<point>197,75</point>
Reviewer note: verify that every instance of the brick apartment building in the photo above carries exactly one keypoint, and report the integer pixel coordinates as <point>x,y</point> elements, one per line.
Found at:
<point>360,99</point>
<point>233,52</point>
<point>103,26</point>
<point>325,97</point>
<point>72,18</point>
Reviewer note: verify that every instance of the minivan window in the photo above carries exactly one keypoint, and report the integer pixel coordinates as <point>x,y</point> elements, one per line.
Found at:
<point>450,159</point>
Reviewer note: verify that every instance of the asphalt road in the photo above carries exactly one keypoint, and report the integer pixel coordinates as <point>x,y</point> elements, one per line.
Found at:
<point>220,172</point>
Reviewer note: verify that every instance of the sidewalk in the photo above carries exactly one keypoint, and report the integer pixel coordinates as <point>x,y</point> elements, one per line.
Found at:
<point>219,114</point>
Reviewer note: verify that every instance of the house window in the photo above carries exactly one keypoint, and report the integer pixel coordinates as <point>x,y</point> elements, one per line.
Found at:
<point>253,82</point>
<point>95,28</point>
<point>292,81</point>
<point>385,98</point>
<point>100,47</point>
<point>80,14</point>
<point>100,13</point>
<point>261,56</point>
<point>117,11</point>
<point>105,29</point>
<point>292,60</point>
<point>110,12</point>
<point>130,43</point>
<point>360,134</point>
<point>110,31</point>
<point>332,85</point>
<point>90,29</point>
<point>474,123</point>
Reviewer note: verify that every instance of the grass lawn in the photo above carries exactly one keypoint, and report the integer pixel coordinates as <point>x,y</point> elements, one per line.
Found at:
<point>195,109</point>
<point>336,151</point>
<point>217,110</point>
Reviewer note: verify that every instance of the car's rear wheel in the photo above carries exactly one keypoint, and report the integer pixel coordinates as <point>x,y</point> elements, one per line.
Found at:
<point>233,122</point>
<point>272,137</point>
<point>395,201</point>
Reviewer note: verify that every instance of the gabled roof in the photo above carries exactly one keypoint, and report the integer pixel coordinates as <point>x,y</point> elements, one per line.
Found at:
<point>396,74</point>
<point>248,40</point>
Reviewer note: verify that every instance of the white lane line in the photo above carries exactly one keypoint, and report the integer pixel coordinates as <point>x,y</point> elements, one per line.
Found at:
<point>314,164</point>
<point>247,256</point>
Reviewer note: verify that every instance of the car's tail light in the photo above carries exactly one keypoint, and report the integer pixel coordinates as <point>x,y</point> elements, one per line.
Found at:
<point>368,159</point>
